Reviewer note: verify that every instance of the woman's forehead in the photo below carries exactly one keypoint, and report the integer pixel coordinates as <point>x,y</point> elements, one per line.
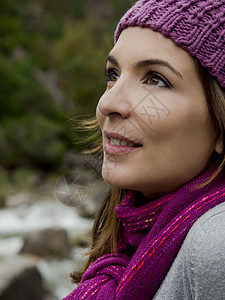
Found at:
<point>136,43</point>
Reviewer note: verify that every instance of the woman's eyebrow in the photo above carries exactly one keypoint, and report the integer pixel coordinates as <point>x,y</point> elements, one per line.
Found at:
<point>113,60</point>
<point>147,63</point>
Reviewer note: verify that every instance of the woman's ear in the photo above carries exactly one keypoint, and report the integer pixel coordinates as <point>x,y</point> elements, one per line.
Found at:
<point>219,146</point>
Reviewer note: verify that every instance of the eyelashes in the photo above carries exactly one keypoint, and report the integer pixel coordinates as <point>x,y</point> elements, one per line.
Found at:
<point>151,78</point>
<point>111,75</point>
<point>156,79</point>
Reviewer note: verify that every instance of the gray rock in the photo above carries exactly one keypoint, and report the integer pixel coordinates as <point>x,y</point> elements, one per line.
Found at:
<point>90,205</point>
<point>20,279</point>
<point>47,242</point>
<point>81,240</point>
<point>18,199</point>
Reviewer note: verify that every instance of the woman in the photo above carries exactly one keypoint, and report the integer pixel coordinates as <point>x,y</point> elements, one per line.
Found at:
<point>159,233</point>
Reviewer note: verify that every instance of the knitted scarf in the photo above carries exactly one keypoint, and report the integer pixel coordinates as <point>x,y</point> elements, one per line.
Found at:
<point>152,236</point>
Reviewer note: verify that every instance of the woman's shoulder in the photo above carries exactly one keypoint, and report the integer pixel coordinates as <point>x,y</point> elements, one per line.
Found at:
<point>204,255</point>
<point>198,271</point>
<point>207,235</point>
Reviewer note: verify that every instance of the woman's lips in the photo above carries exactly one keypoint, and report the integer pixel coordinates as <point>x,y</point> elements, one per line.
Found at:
<point>119,145</point>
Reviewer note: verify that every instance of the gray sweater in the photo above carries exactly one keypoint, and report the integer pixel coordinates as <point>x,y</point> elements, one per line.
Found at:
<point>198,272</point>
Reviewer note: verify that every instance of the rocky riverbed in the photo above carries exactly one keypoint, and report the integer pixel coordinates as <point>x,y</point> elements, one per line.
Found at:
<point>43,240</point>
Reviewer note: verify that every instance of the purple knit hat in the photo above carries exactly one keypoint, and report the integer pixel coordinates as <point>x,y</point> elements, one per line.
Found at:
<point>195,25</point>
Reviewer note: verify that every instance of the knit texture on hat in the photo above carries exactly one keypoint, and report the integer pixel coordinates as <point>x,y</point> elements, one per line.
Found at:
<point>195,25</point>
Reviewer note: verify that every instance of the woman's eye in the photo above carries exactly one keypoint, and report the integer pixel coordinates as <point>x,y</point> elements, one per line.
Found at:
<point>111,75</point>
<point>156,79</point>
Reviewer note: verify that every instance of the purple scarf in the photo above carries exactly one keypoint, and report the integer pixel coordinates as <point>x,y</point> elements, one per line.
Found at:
<point>152,236</point>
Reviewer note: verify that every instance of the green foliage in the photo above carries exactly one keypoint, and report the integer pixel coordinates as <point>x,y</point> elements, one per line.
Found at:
<point>32,141</point>
<point>52,59</point>
<point>121,6</point>
<point>22,94</point>
<point>80,59</point>
<point>23,179</point>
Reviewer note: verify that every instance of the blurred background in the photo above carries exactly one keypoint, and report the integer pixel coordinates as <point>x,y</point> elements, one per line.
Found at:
<point>52,59</point>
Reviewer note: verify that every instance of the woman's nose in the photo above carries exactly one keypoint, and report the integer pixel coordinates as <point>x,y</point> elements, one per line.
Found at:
<point>115,102</point>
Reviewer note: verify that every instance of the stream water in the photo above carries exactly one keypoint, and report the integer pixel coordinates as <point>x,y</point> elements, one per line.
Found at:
<point>15,222</point>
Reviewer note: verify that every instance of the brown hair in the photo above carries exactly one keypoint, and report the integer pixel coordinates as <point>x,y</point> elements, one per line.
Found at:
<point>106,227</point>
<point>215,98</point>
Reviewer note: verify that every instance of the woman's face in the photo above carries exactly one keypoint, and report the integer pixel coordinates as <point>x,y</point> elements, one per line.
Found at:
<point>156,128</point>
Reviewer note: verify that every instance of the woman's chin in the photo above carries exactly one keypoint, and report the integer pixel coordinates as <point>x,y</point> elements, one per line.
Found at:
<point>113,181</point>
<point>117,180</point>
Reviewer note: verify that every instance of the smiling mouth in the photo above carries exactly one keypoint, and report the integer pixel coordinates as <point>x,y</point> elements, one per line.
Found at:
<point>118,140</point>
<point>122,143</point>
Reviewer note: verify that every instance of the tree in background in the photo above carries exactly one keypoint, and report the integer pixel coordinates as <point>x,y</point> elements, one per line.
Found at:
<point>52,56</point>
